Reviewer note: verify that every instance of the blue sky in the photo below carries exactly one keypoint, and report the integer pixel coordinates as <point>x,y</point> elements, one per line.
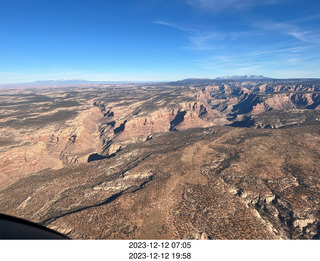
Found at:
<point>157,39</point>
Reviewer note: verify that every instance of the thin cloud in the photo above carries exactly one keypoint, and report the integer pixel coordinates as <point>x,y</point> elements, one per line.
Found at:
<point>219,5</point>
<point>211,40</point>
<point>309,36</point>
<point>306,36</point>
<point>290,50</point>
<point>176,26</point>
<point>256,59</point>
<point>201,40</point>
<point>197,38</point>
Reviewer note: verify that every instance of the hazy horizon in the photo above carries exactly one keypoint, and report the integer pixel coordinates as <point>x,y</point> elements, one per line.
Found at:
<point>64,81</point>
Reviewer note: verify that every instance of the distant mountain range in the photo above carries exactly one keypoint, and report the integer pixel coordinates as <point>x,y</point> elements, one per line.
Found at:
<point>74,82</point>
<point>62,81</point>
<point>78,82</point>
<point>243,77</point>
<point>231,78</point>
<point>193,80</point>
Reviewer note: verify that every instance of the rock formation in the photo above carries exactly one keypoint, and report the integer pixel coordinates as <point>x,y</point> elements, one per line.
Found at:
<point>161,162</point>
<point>215,183</point>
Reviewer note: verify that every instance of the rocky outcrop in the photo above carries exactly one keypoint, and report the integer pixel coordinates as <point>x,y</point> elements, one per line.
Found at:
<point>56,128</point>
<point>280,102</point>
<point>137,125</point>
<point>209,183</point>
<point>55,146</point>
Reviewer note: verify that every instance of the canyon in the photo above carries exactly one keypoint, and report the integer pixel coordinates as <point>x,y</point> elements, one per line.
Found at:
<point>224,159</point>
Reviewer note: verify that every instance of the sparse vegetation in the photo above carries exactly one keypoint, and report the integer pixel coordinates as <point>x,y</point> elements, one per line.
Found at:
<point>160,168</point>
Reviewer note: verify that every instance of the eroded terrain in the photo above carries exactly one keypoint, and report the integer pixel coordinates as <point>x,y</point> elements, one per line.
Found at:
<point>161,162</point>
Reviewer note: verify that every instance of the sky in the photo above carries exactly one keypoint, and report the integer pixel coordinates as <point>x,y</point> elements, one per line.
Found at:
<point>158,40</point>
